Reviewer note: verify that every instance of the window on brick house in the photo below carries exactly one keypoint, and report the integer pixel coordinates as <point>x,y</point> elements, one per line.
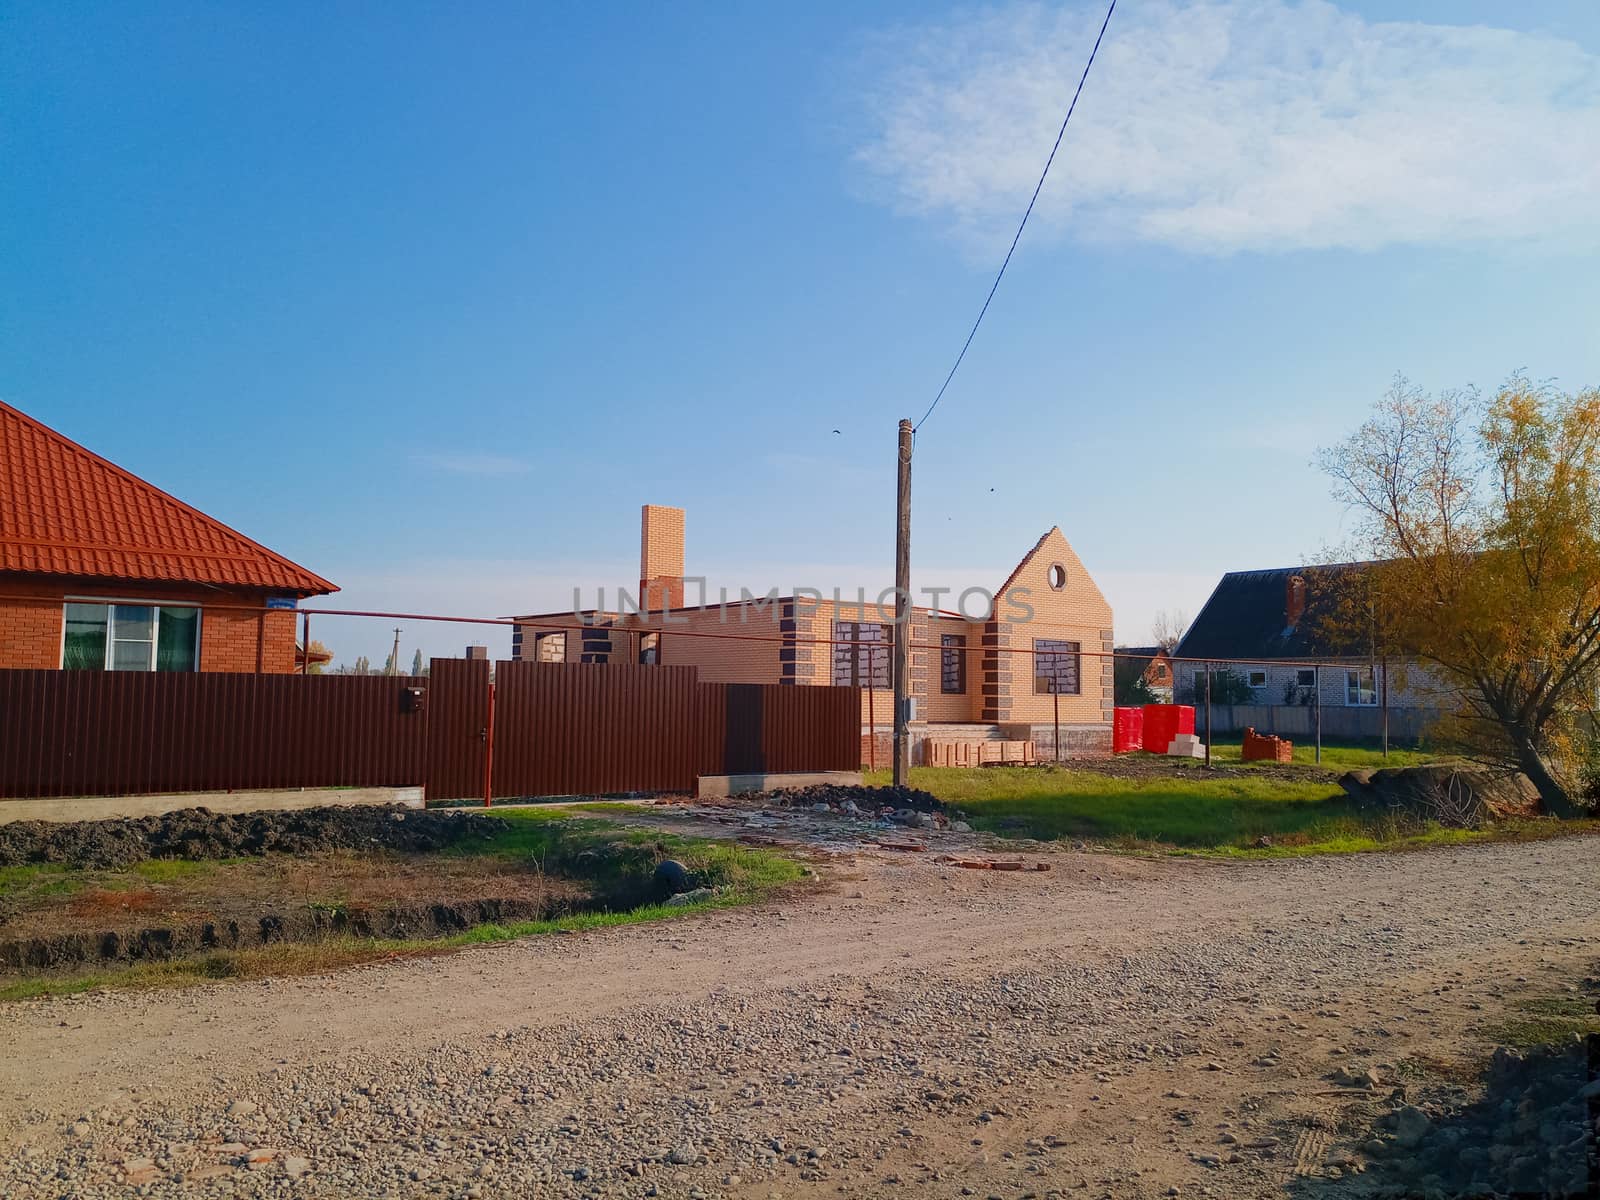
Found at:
<point>1306,677</point>
<point>1360,688</point>
<point>550,647</point>
<point>1258,679</point>
<point>649,649</point>
<point>130,637</point>
<point>952,664</point>
<point>861,654</point>
<point>596,646</point>
<point>1056,667</point>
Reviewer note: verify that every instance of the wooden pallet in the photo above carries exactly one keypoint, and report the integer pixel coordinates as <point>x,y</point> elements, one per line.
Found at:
<point>979,754</point>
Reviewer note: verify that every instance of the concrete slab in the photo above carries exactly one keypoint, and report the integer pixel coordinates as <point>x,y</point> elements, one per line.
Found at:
<point>732,785</point>
<point>100,808</point>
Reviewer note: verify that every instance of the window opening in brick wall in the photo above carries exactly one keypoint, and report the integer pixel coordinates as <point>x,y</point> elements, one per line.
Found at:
<point>952,664</point>
<point>1056,667</point>
<point>861,654</point>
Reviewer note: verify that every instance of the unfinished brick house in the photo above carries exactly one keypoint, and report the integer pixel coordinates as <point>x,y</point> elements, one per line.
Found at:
<point>101,571</point>
<point>1002,673</point>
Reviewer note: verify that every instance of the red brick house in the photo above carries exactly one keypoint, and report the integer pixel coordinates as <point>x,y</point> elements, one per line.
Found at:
<point>100,570</point>
<point>1038,649</point>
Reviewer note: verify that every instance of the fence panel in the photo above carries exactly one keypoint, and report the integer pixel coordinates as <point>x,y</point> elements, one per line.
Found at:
<point>564,729</point>
<point>1299,721</point>
<point>559,729</point>
<point>458,728</point>
<point>115,733</point>
<point>810,728</point>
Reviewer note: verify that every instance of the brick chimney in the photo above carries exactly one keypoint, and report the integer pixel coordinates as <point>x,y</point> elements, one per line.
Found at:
<point>660,557</point>
<point>1294,601</point>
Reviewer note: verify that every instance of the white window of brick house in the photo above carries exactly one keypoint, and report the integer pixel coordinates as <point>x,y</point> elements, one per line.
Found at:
<point>1306,677</point>
<point>130,637</point>
<point>1258,679</point>
<point>1360,688</point>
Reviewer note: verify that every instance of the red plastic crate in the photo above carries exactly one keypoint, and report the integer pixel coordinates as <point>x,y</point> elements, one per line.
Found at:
<point>1127,730</point>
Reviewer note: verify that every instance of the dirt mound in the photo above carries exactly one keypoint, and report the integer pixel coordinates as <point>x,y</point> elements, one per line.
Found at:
<point>199,833</point>
<point>867,799</point>
<point>1463,797</point>
<point>1524,1137</point>
<point>304,925</point>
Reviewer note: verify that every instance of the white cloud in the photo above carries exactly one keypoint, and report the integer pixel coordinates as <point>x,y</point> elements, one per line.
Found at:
<point>472,464</point>
<point>1238,125</point>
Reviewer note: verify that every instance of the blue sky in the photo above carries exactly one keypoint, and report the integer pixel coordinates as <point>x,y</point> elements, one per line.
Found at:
<point>433,302</point>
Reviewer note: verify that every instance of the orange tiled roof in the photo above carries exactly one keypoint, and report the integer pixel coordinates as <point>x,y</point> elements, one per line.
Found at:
<point>67,511</point>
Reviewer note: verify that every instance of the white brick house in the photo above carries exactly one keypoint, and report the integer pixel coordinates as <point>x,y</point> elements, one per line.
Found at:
<point>1263,627</point>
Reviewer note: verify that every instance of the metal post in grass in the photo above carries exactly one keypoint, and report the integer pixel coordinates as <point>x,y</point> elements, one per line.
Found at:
<point>1208,714</point>
<point>1056,697</point>
<point>1317,683</point>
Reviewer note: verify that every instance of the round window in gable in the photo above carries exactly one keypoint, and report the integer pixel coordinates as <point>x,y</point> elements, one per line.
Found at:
<point>1057,576</point>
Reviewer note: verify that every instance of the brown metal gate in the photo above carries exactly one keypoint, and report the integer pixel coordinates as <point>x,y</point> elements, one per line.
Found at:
<point>572,730</point>
<point>458,728</point>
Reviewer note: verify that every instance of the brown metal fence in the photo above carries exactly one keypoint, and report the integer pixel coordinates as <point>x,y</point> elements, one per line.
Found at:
<point>87,733</point>
<point>541,730</point>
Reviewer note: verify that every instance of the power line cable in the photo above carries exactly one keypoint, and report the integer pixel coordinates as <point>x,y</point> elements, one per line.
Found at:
<point>1024,224</point>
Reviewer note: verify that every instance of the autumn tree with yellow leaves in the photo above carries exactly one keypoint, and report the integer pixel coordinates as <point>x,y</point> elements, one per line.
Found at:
<point>1484,519</point>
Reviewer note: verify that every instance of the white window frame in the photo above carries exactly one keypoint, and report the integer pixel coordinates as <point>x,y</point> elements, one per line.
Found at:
<point>1353,688</point>
<point>1250,679</point>
<point>110,605</point>
<point>1305,677</point>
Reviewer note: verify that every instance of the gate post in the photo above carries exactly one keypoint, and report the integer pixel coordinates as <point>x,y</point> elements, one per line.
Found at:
<point>488,752</point>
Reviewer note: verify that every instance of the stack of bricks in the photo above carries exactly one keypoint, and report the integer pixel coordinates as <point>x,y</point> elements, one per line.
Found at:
<point>1260,747</point>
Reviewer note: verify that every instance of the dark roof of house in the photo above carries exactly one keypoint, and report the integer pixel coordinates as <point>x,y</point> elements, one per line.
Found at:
<point>1247,617</point>
<point>64,510</point>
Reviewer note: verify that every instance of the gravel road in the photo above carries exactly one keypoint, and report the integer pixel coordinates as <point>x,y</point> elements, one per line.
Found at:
<point>1112,1027</point>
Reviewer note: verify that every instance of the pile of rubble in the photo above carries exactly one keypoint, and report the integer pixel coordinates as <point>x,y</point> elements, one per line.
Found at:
<point>1530,1134</point>
<point>911,807</point>
<point>1454,795</point>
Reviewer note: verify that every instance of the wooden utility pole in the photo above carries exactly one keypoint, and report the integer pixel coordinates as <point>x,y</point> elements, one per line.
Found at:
<point>902,612</point>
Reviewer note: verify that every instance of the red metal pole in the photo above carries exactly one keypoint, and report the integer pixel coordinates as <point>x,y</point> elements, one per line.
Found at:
<point>488,754</point>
